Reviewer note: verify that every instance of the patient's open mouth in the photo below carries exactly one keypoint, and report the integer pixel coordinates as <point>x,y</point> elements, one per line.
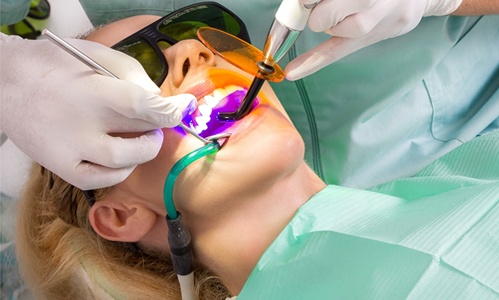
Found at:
<point>204,120</point>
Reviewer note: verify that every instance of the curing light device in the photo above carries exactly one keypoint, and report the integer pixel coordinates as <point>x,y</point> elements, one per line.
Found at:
<point>245,57</point>
<point>290,20</point>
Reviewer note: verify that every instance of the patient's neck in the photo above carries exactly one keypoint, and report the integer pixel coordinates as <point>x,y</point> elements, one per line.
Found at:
<point>235,241</point>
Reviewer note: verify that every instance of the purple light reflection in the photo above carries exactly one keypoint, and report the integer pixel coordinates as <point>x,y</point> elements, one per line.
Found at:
<point>208,126</point>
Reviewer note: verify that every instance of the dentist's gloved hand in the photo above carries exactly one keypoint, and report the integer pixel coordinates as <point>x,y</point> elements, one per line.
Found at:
<point>60,112</point>
<point>355,24</point>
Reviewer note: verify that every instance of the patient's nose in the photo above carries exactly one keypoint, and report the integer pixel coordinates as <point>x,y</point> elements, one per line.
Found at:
<point>187,56</point>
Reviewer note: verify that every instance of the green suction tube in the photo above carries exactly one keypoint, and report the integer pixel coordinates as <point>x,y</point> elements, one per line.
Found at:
<point>179,237</point>
<point>206,150</point>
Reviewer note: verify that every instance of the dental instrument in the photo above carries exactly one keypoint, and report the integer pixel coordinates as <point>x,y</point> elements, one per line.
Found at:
<point>244,56</point>
<point>290,20</point>
<point>178,234</point>
<point>77,53</point>
<point>98,68</point>
<point>245,107</point>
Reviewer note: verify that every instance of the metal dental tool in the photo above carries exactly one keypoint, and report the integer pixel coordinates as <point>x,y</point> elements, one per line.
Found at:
<point>100,69</point>
<point>77,53</point>
<point>290,20</point>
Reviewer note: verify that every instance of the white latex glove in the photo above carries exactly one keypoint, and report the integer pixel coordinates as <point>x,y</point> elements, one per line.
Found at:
<point>59,111</point>
<point>355,24</point>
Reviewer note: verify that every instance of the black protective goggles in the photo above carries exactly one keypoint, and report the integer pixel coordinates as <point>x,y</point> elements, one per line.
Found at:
<point>146,45</point>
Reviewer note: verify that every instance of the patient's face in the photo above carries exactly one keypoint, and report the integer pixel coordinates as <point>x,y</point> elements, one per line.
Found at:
<point>263,148</point>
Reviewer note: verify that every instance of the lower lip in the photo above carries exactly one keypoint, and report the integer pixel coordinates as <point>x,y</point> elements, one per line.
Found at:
<point>208,126</point>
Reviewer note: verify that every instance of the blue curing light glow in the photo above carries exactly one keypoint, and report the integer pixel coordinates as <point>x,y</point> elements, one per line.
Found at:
<point>204,120</point>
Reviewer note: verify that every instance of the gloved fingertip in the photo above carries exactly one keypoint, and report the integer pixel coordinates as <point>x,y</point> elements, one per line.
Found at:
<point>154,135</point>
<point>188,103</point>
<point>308,2</point>
<point>315,25</point>
<point>292,74</point>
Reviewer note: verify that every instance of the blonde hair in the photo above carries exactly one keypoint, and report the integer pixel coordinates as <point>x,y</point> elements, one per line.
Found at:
<point>61,257</point>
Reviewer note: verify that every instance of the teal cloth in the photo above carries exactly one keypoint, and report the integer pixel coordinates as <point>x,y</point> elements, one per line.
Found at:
<point>13,11</point>
<point>386,111</point>
<point>432,236</point>
<point>11,285</point>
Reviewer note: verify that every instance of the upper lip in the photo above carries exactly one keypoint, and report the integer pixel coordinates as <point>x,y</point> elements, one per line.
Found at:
<point>217,78</point>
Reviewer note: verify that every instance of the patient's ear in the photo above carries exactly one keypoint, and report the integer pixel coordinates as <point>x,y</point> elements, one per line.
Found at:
<point>123,221</point>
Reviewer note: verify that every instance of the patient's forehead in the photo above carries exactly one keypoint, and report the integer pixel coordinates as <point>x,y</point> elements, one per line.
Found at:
<point>114,32</point>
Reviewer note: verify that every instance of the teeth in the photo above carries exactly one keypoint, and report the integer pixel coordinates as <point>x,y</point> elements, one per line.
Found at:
<point>202,122</point>
<point>220,93</point>
<point>210,102</point>
<point>232,88</point>
<point>205,110</point>
<point>201,128</point>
